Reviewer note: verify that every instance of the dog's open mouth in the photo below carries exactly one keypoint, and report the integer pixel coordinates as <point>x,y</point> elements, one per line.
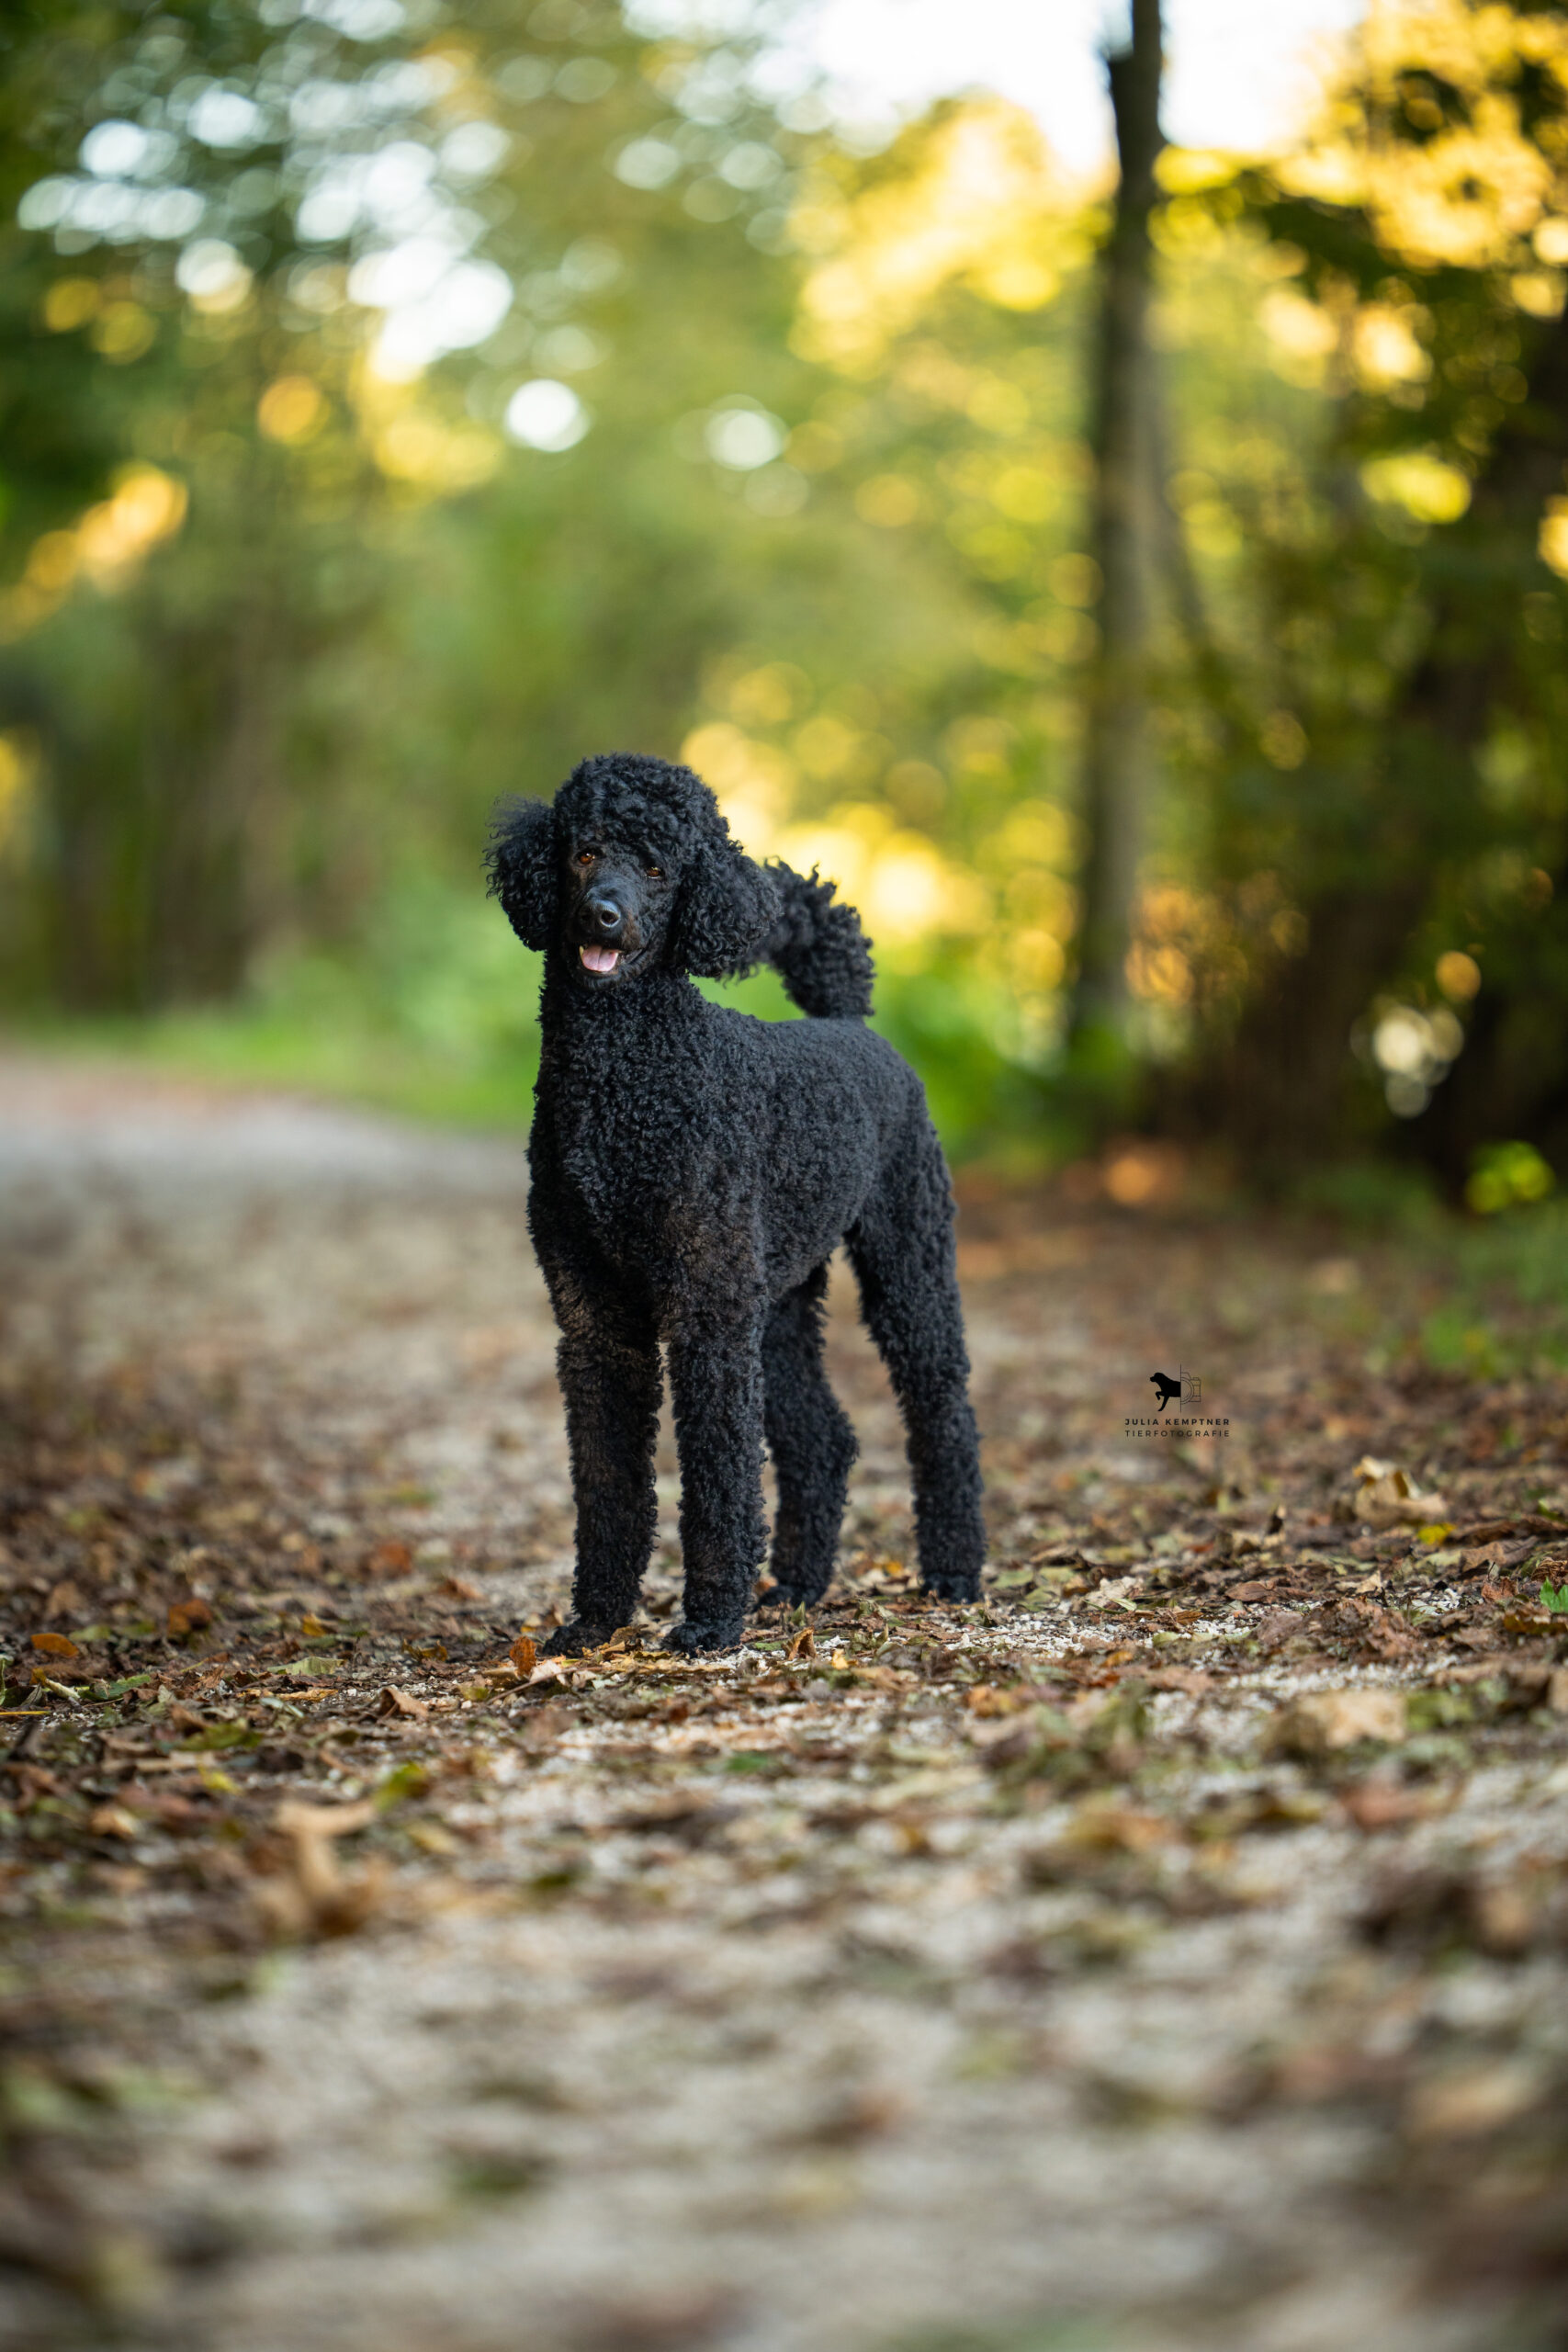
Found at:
<point>599,959</point>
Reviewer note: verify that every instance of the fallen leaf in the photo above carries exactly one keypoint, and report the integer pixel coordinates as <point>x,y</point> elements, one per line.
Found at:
<point>1190,1678</point>
<point>804,1643</point>
<point>297,1819</point>
<point>524,1656</point>
<point>394,1702</point>
<point>433,1839</point>
<point>1474,2100</point>
<point>985,1699</point>
<point>1385,1495</point>
<point>1387,1805</point>
<point>312,1627</point>
<point>1116,1828</point>
<point>1003,1732</point>
<point>459,1588</point>
<point>389,1559</point>
<point>56,1645</point>
<point>65,1600</point>
<point>1321,1722</point>
<point>314,1897</point>
<point>1117,1593</point>
<point>113,1821</point>
<point>188,1616</point>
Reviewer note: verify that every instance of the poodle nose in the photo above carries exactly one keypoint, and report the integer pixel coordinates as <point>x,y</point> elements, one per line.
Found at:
<point>604,915</point>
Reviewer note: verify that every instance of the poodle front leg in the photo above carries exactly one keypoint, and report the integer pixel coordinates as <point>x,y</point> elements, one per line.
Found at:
<point>716,1382</point>
<point>609,1375</point>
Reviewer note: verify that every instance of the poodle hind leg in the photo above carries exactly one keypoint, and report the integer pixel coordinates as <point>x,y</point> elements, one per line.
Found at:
<point>902,1251</point>
<point>811,1440</point>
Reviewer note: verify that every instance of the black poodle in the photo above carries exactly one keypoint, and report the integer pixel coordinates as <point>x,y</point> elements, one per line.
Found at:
<point>693,1170</point>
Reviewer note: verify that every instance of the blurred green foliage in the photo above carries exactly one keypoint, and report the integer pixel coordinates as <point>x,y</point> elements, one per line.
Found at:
<point>399,401</point>
<point>1506,1305</point>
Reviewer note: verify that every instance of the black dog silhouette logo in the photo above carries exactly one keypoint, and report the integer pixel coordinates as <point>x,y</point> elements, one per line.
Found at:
<point>1185,1389</point>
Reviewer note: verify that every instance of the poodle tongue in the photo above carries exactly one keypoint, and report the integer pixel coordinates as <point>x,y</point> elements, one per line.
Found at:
<point>599,959</point>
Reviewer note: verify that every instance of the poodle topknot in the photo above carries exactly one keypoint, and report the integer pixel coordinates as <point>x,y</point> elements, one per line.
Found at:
<point>693,1171</point>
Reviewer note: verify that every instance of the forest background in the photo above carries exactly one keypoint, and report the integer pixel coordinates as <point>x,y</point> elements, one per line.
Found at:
<point>399,401</point>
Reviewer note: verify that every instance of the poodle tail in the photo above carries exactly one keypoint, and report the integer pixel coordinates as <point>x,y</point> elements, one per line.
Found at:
<point>818,950</point>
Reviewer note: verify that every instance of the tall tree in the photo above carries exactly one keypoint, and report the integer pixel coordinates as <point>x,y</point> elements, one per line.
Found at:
<point>1425,827</point>
<point>1118,752</point>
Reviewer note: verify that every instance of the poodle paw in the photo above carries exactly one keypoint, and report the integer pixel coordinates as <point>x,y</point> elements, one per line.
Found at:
<point>570,1639</point>
<point>706,1634</point>
<point>956,1595</point>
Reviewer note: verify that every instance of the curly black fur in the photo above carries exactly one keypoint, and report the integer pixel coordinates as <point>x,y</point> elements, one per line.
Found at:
<point>693,1170</point>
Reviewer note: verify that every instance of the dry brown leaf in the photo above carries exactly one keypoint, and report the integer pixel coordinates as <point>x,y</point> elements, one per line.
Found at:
<point>1189,1678</point>
<point>297,1819</point>
<point>804,1643</point>
<point>65,1600</point>
<point>1473,2100</point>
<point>314,1897</point>
<point>1116,1828</point>
<point>113,1821</point>
<point>985,1699</point>
<point>1116,1592</point>
<point>524,1656</point>
<point>394,1701</point>
<point>389,1559</point>
<point>431,1839</point>
<point>1387,1805</point>
<point>1385,1495</point>
<point>310,1626</point>
<point>188,1616</point>
<point>56,1645</point>
<point>459,1588</point>
<point>1322,1722</point>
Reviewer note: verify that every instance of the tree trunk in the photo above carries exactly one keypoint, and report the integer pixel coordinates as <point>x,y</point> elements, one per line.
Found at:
<point>1118,756</point>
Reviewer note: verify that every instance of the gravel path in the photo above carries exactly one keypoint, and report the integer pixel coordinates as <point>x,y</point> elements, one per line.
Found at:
<point>1079,1973</point>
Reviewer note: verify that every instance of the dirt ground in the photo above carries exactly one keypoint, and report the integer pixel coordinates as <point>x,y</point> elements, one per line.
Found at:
<point>1168,1953</point>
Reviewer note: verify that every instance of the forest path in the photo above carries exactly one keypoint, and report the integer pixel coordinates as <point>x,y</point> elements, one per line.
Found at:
<point>1013,1980</point>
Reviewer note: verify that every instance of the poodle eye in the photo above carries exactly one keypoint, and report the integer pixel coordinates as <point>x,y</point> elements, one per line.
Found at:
<point>586,856</point>
<point>654,873</point>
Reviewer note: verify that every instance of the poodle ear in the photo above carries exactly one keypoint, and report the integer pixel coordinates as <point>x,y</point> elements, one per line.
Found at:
<point>522,864</point>
<point>727,911</point>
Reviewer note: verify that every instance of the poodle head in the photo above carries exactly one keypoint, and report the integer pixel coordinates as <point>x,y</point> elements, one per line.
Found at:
<point>631,870</point>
